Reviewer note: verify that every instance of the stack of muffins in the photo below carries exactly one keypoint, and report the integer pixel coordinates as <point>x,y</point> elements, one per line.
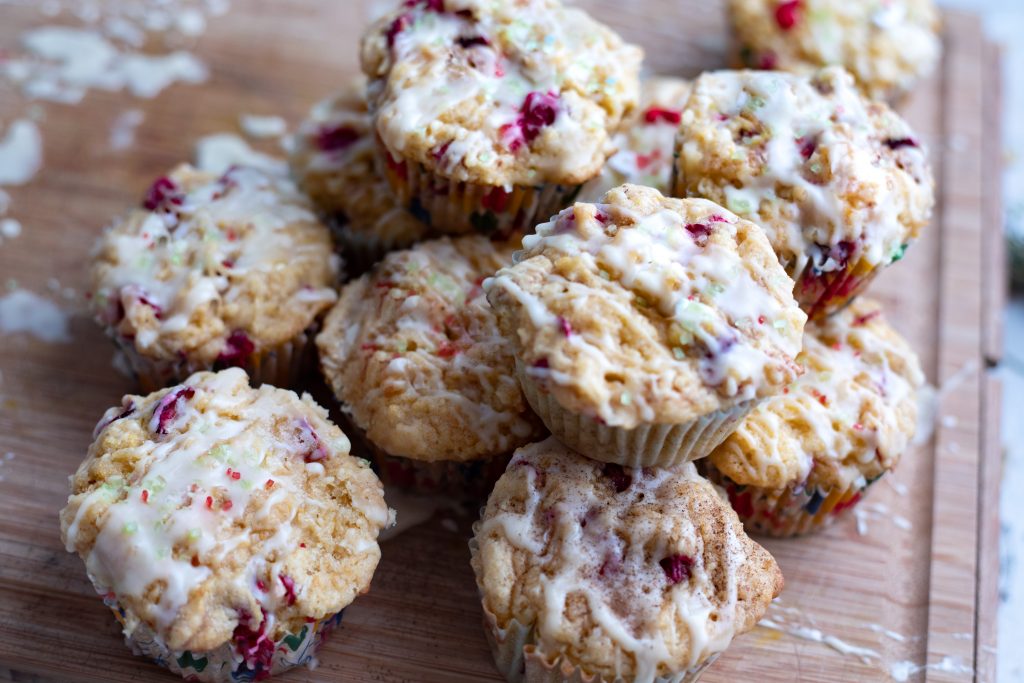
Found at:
<point>630,380</point>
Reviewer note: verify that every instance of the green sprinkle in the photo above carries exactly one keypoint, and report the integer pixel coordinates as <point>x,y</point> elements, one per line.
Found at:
<point>898,254</point>
<point>246,484</point>
<point>221,453</point>
<point>194,534</point>
<point>780,324</point>
<point>625,399</point>
<point>678,353</point>
<point>714,289</point>
<point>130,528</point>
<point>402,346</point>
<point>640,301</point>
<point>604,274</point>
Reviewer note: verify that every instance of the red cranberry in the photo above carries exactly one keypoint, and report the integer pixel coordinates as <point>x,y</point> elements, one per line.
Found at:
<point>787,14</point>
<point>255,647</point>
<point>237,349</point>
<point>542,363</point>
<point>677,568</point>
<point>467,42</point>
<point>309,441</point>
<point>866,318</point>
<point>538,111</point>
<point>767,61</point>
<point>656,114</point>
<point>167,410</point>
<point>163,195</point>
<point>336,138</point>
<point>621,480</point>
<point>896,143</point>
<point>565,325</point>
<point>807,146</point>
<point>289,589</point>
<point>700,232</point>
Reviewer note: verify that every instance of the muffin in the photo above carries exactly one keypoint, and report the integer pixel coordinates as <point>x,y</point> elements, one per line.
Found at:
<point>226,527</point>
<point>332,160</point>
<point>802,457</point>
<point>887,45</point>
<point>646,142</point>
<point>490,115</point>
<point>841,185</point>
<point>215,272</point>
<point>645,328</point>
<point>599,573</point>
<point>414,356</point>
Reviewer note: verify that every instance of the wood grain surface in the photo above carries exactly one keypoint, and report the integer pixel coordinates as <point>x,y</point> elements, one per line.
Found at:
<point>925,569</point>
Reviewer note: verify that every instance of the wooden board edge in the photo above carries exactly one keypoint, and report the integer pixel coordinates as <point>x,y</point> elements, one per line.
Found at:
<point>986,635</point>
<point>995,264</point>
<point>953,579</point>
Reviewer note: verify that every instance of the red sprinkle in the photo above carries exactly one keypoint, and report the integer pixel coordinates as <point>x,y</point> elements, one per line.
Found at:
<point>566,327</point>
<point>145,496</point>
<point>858,426</point>
<point>787,14</point>
<point>656,114</point>
<point>226,505</point>
<point>269,485</point>
<point>822,398</point>
<point>760,320</point>
<point>209,502</point>
<point>262,586</point>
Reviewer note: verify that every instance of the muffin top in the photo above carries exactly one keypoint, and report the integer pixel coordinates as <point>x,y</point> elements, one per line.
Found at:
<point>645,309</point>
<point>886,44</point>
<point>412,351</point>
<point>831,177</point>
<point>645,144</point>
<point>626,573</point>
<point>214,269</point>
<point>845,422</point>
<point>212,506</point>
<point>332,160</point>
<point>499,93</point>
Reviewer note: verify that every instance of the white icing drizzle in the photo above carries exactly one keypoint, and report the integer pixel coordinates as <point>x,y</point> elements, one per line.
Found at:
<point>201,480</point>
<point>611,555</point>
<point>436,61</point>
<point>803,151</point>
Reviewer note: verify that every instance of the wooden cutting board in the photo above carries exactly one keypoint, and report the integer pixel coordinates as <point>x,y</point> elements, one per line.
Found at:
<point>925,570</point>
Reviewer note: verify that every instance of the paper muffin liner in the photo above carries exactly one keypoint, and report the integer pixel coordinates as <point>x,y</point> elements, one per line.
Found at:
<point>226,664</point>
<point>362,248</point>
<point>517,658</point>
<point>454,207</point>
<point>653,445</point>
<point>471,480</point>
<point>786,512</point>
<point>281,366</point>
<point>822,294</point>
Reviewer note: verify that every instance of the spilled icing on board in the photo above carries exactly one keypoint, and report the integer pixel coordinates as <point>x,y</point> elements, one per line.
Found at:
<point>902,671</point>
<point>21,153</point>
<point>218,152</point>
<point>7,457</point>
<point>260,127</point>
<point>122,130</point>
<point>23,311</point>
<point>867,511</point>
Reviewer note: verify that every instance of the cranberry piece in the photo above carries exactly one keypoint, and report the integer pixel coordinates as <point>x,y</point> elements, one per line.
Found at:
<point>237,349</point>
<point>336,138</point>
<point>163,195</point>
<point>496,200</point>
<point>896,143</point>
<point>127,408</point>
<point>768,61</point>
<point>447,350</point>
<point>539,111</point>
<point>866,318</point>
<point>511,135</point>
<point>439,153</point>
<point>787,14</point>
<point>397,26</point>
<point>807,146</point>
<point>309,442</point>
<point>429,5</point>
<point>542,363</point>
<point>741,502</point>
<point>700,232</point>
<point>256,649</point>
<point>467,42</point>
<point>677,568</point>
<point>566,327</point>
<point>289,589</point>
<point>621,480</point>
<point>656,114</point>
<point>167,410</point>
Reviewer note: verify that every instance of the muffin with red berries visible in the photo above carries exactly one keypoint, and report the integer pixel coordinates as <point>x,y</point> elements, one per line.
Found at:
<point>888,46</point>
<point>804,456</point>
<point>215,272</point>
<point>840,184</point>
<point>227,527</point>
<point>601,573</point>
<point>332,160</point>
<point>489,116</point>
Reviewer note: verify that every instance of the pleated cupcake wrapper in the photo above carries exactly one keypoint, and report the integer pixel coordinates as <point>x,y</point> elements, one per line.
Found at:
<point>360,249</point>
<point>280,366</point>
<point>787,512</point>
<point>655,445</point>
<point>517,658</point>
<point>822,294</point>
<point>455,207</point>
<point>224,664</point>
<point>472,480</point>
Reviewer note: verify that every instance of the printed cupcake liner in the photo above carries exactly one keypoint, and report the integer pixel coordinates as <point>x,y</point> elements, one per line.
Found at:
<point>454,207</point>
<point>518,659</point>
<point>227,663</point>
<point>472,480</point>
<point>821,294</point>
<point>654,445</point>
<point>787,512</point>
<point>281,366</point>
